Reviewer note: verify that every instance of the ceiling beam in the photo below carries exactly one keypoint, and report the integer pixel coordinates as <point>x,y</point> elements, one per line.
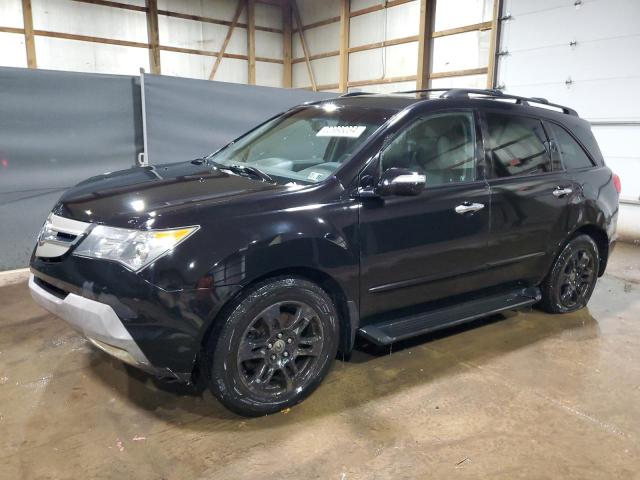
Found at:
<point>287,71</point>
<point>380,6</point>
<point>17,30</point>
<point>345,19</point>
<point>109,3</point>
<point>184,16</point>
<point>153,36</point>
<point>494,47</point>
<point>459,73</point>
<point>87,38</point>
<point>127,43</point>
<point>251,40</point>
<point>199,18</point>
<point>385,43</point>
<point>320,23</point>
<point>29,40</point>
<point>296,14</point>
<point>427,14</point>
<point>234,22</point>
<point>317,56</point>
<point>467,28</point>
<point>381,81</point>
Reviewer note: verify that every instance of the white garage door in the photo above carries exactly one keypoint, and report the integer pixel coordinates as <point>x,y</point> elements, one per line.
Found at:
<point>584,54</point>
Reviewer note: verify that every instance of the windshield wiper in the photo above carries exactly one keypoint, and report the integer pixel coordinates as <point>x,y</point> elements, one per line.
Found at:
<point>245,170</point>
<point>255,171</point>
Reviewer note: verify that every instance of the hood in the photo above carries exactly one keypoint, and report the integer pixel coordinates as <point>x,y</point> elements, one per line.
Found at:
<point>127,198</point>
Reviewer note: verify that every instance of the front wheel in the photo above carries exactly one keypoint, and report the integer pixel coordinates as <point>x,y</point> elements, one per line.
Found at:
<point>274,347</point>
<point>572,278</point>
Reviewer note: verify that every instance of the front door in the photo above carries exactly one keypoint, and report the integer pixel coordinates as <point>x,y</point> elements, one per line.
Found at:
<point>415,249</point>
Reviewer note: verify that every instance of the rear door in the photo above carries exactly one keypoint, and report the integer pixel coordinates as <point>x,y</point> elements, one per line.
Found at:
<point>529,193</point>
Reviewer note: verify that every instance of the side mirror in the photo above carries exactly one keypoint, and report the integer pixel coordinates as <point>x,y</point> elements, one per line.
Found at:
<point>400,181</point>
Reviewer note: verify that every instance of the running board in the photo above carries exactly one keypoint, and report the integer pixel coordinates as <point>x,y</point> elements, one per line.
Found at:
<point>384,333</point>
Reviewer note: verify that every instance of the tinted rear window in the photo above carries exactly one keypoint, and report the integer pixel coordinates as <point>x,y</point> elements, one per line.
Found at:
<point>517,145</point>
<point>572,154</point>
<point>583,133</point>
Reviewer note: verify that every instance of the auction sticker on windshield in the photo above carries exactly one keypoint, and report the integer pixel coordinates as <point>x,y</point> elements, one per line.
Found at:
<point>349,131</point>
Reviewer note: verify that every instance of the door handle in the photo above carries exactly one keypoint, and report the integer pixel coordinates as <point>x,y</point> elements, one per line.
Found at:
<point>561,192</point>
<point>468,207</point>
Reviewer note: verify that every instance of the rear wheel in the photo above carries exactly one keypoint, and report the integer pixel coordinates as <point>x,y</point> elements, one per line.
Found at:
<point>570,283</point>
<point>274,348</point>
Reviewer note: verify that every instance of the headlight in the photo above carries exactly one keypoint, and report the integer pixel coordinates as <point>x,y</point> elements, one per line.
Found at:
<point>135,249</point>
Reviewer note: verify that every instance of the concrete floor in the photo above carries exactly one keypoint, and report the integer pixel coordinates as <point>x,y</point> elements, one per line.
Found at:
<point>520,395</point>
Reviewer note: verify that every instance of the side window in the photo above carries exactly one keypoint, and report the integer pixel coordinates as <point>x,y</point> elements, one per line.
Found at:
<point>441,146</point>
<point>573,156</point>
<point>517,145</point>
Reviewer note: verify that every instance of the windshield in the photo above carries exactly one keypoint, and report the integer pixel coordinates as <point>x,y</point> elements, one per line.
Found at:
<point>305,146</point>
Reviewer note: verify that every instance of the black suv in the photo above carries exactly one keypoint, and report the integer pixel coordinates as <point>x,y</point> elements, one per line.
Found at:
<point>379,216</point>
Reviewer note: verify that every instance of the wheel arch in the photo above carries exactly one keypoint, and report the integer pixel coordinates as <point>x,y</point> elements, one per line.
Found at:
<point>601,239</point>
<point>346,308</point>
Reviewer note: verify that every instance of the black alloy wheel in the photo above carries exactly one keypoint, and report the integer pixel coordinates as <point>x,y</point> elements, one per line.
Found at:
<point>572,278</point>
<point>273,347</point>
<point>280,348</point>
<point>576,278</point>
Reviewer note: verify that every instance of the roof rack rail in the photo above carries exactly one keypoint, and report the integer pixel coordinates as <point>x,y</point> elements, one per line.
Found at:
<point>494,93</point>
<point>464,92</point>
<point>355,94</point>
<point>540,100</point>
<point>425,90</point>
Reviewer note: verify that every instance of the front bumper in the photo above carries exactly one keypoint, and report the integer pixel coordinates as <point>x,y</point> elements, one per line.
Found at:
<point>155,320</point>
<point>96,321</point>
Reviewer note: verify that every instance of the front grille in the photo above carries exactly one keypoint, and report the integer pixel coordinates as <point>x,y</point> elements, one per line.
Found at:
<point>58,236</point>
<point>65,237</point>
<point>52,289</point>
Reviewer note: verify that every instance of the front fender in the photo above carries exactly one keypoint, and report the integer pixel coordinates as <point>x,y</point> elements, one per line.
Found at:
<point>319,242</point>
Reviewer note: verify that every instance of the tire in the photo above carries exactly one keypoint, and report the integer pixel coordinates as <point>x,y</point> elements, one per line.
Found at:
<point>273,348</point>
<point>572,278</point>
